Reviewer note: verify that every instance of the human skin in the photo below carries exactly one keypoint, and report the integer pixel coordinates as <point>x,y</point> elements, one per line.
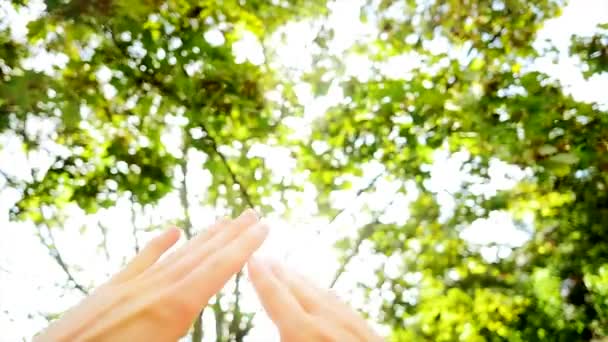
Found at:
<point>157,300</point>
<point>302,311</point>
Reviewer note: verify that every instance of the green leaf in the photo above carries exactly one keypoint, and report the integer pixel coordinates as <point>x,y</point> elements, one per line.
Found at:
<point>565,158</point>
<point>546,150</point>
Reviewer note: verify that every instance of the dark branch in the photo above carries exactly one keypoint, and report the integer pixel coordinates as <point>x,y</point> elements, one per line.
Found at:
<point>197,329</point>
<point>357,195</point>
<point>54,252</point>
<point>134,226</point>
<point>214,145</point>
<point>219,318</point>
<point>197,333</point>
<point>183,196</point>
<point>8,179</point>
<point>364,233</point>
<point>234,326</point>
<point>104,239</point>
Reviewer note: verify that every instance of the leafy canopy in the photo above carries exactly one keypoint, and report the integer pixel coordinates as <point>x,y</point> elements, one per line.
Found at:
<point>137,73</point>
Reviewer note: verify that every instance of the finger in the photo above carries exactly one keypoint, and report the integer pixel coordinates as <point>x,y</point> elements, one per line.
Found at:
<point>350,317</point>
<point>200,251</point>
<point>210,276</point>
<point>320,327</point>
<point>317,300</point>
<point>305,294</point>
<point>325,330</point>
<point>148,255</point>
<point>199,239</point>
<point>278,301</point>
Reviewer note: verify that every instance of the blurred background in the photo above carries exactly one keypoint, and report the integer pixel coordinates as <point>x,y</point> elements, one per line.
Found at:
<point>442,164</point>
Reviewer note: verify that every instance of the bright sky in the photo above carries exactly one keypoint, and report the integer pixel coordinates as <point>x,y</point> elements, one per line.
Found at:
<point>30,281</point>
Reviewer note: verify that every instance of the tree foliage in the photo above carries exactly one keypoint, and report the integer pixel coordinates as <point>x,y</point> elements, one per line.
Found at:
<point>136,72</point>
<point>487,104</point>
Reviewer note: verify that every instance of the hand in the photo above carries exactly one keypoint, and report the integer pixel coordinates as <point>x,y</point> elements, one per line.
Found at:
<point>153,300</point>
<point>302,311</point>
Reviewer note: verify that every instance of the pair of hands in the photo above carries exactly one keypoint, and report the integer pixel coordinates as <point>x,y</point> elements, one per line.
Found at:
<point>152,300</point>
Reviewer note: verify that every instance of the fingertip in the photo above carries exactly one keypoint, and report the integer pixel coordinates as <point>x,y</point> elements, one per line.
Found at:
<point>246,219</point>
<point>174,231</point>
<point>253,265</point>
<point>277,267</point>
<point>172,234</point>
<point>256,264</point>
<point>263,227</point>
<point>169,235</point>
<point>254,260</point>
<point>222,221</point>
<point>249,214</point>
<point>252,212</point>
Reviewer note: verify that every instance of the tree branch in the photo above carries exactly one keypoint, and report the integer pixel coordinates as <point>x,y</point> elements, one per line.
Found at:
<point>197,331</point>
<point>235,324</point>
<point>364,233</point>
<point>134,226</point>
<point>234,327</point>
<point>183,196</point>
<point>4,270</point>
<point>357,195</point>
<point>8,179</point>
<point>104,239</point>
<point>214,145</point>
<point>360,192</point>
<point>219,318</point>
<point>54,253</point>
